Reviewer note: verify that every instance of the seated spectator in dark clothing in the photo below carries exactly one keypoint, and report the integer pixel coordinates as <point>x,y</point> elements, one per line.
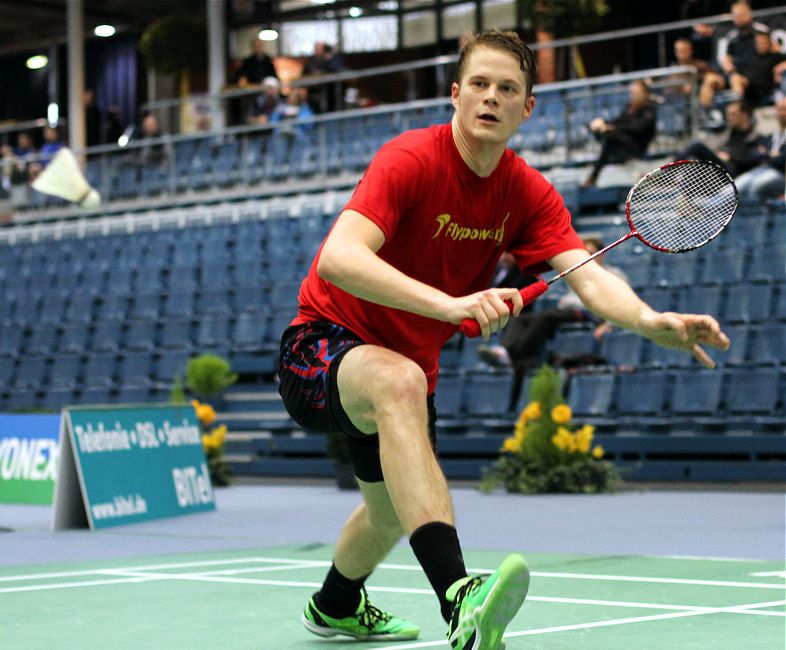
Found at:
<point>766,179</point>
<point>740,50</point>
<point>267,101</point>
<point>738,153</point>
<point>628,135</point>
<point>756,78</point>
<point>151,153</point>
<point>683,55</point>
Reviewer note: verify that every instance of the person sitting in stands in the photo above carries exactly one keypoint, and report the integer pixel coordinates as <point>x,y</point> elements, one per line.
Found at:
<point>628,135</point>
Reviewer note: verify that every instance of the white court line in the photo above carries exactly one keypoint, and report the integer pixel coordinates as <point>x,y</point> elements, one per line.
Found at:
<point>667,581</point>
<point>211,577</point>
<point>769,574</point>
<point>587,626</point>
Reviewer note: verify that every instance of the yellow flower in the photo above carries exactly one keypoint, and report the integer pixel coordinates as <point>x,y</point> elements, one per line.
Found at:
<point>584,438</point>
<point>512,445</point>
<point>561,414</point>
<point>209,442</point>
<point>532,412</point>
<point>220,434</point>
<point>598,452</point>
<point>559,442</point>
<point>206,414</point>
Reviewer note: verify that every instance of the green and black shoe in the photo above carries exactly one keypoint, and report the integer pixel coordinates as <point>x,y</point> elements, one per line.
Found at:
<point>367,623</point>
<point>484,606</point>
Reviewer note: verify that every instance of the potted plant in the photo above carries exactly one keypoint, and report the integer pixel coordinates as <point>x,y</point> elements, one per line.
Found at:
<point>548,452</point>
<point>208,376</point>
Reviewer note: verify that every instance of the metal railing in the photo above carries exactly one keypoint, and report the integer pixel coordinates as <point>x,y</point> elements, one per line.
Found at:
<point>331,151</point>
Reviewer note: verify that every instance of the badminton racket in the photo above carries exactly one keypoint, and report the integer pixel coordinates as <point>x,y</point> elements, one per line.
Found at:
<point>676,208</point>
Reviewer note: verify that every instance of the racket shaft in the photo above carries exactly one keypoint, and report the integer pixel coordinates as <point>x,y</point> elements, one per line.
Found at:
<point>470,327</point>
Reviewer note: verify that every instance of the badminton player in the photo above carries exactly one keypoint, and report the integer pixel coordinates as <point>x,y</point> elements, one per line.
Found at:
<point>409,257</point>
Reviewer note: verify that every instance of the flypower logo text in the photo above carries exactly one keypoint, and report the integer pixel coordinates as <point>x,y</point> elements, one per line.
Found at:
<point>457,232</point>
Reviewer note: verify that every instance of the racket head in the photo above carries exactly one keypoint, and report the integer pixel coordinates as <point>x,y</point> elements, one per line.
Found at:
<point>682,205</point>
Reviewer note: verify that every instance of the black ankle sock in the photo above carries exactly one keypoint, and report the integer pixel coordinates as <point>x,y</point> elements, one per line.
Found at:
<point>339,596</point>
<point>436,546</point>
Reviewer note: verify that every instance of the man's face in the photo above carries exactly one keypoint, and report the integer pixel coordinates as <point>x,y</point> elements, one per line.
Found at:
<point>762,43</point>
<point>741,15</point>
<point>735,117</point>
<point>638,94</point>
<point>490,100</point>
<point>683,51</point>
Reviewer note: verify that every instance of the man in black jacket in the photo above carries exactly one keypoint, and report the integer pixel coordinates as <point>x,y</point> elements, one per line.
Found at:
<point>628,135</point>
<point>738,153</point>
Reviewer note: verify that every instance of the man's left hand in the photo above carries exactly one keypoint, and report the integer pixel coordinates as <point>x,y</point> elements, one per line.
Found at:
<point>687,332</point>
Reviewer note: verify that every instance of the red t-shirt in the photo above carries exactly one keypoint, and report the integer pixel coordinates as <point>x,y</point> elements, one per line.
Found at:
<point>445,226</point>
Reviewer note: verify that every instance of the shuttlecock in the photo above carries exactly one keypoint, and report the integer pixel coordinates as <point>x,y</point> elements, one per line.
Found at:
<point>62,177</point>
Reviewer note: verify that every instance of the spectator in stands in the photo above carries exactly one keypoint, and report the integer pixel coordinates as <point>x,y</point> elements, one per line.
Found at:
<point>323,98</point>
<point>628,135</point>
<point>254,69</point>
<point>757,77</point>
<point>683,55</point>
<point>92,118</point>
<point>268,100</point>
<point>114,129</point>
<point>525,336</point>
<point>766,180</point>
<point>701,35</point>
<point>151,153</point>
<point>16,160</point>
<point>738,153</point>
<point>740,51</point>
<point>294,108</point>
<point>51,145</point>
<point>407,260</point>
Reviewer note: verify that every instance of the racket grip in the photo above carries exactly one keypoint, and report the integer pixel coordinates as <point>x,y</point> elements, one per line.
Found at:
<point>470,327</point>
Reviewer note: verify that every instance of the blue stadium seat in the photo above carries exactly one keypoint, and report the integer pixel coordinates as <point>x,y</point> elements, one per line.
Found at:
<point>180,304</point>
<point>642,399</point>
<point>573,343</point>
<point>748,302</point>
<point>279,321</point>
<point>56,397</point>
<point>53,308</point>
<point>65,370</point>
<point>622,348</point>
<point>145,306</point>
<point>141,335</point>
<point>95,395</point>
<point>107,335</point>
<point>212,332</point>
<point>11,340</point>
<point>723,268</point>
<point>31,373</point>
<point>213,302</point>
<point>769,344</point>
<point>42,339</point>
<point>768,263</point>
<point>100,369</point>
<point>148,280</point>
<point>591,395</point>
<point>113,306</point>
<point>176,333</point>
<point>133,394</point>
<point>676,270</point>
<point>171,363</point>
<point>449,396</point>
<point>6,374</point>
<point>659,298</point>
<point>135,368</point>
<point>699,299</point>
<point>697,392</point>
<point>487,393</point>
<point>249,331</point>
<point>737,353</point>
<point>79,310</point>
<point>753,390</point>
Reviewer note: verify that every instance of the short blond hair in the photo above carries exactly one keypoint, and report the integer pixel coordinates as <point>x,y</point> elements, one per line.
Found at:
<point>499,40</point>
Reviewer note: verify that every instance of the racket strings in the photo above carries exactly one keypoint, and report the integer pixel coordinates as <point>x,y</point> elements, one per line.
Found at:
<point>683,206</point>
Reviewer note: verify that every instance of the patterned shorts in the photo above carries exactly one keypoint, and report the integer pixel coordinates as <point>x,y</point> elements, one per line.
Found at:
<point>308,372</point>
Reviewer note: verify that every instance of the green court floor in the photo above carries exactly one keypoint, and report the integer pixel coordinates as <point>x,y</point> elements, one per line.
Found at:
<point>253,599</point>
